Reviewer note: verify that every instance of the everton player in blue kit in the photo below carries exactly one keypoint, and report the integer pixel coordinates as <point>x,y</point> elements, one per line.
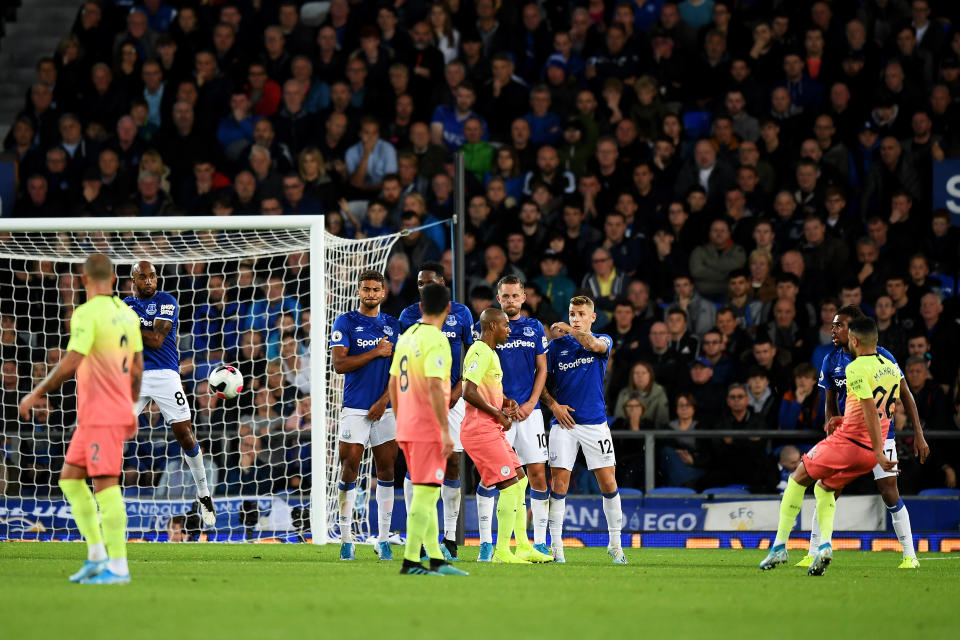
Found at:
<point>362,345</point>
<point>578,362</point>
<point>833,381</point>
<point>523,358</point>
<point>458,330</point>
<point>159,318</point>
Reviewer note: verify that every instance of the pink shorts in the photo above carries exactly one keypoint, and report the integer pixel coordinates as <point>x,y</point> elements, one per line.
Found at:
<point>493,456</point>
<point>837,461</point>
<point>425,461</point>
<point>99,450</point>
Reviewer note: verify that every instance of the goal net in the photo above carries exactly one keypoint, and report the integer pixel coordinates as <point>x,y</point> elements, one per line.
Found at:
<point>246,289</point>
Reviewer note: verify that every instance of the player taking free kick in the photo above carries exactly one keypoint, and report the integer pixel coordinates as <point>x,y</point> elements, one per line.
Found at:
<point>159,316</point>
<point>578,361</point>
<point>488,415</point>
<point>105,352</point>
<point>854,448</point>
<point>419,391</point>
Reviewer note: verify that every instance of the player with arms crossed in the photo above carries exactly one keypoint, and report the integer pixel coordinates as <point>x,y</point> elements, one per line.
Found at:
<point>419,389</point>
<point>578,362</point>
<point>855,447</point>
<point>457,329</point>
<point>488,418</point>
<point>159,317</point>
<point>523,357</point>
<point>833,382</point>
<point>362,343</point>
<point>105,352</point>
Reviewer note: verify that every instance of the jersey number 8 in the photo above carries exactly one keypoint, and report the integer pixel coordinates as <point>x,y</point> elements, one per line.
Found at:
<point>404,378</point>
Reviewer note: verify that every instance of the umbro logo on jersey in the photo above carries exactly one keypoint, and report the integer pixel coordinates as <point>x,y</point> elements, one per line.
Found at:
<point>837,370</point>
<point>358,329</point>
<point>563,353</point>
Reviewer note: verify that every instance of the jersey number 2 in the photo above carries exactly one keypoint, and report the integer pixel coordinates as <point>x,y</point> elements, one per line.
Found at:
<point>123,343</point>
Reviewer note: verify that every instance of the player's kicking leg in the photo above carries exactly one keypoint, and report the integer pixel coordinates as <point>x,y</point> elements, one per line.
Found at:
<point>194,458</point>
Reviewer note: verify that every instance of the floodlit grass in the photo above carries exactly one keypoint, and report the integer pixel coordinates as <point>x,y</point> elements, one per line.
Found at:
<point>303,591</point>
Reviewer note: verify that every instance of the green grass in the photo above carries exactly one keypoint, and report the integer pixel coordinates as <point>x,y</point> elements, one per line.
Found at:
<point>294,591</point>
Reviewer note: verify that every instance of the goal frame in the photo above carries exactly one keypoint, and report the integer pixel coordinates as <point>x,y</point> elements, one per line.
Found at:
<point>318,328</point>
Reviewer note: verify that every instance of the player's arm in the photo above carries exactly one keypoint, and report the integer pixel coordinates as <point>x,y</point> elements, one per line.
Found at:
<point>435,389</point>
<point>832,417</point>
<point>136,375</point>
<point>586,339</point>
<point>343,363</point>
<point>560,411</point>
<point>455,392</point>
<point>64,370</point>
<point>539,383</point>
<point>920,447</point>
<point>378,408</point>
<point>392,392</point>
<point>153,337</point>
<point>472,395</point>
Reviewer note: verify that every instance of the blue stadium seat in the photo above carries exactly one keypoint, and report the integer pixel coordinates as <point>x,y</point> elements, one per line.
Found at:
<point>952,493</point>
<point>630,491</point>
<point>697,123</point>
<point>731,490</point>
<point>947,284</point>
<point>671,491</point>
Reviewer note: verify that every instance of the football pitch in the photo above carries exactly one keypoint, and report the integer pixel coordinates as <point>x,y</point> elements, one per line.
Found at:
<point>299,590</point>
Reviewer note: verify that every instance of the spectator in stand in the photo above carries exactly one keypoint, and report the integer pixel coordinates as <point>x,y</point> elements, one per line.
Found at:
<point>711,263</point>
<point>605,283</point>
<point>676,457</point>
<point>642,382</point>
<point>556,286</point>
<point>176,482</point>
<point>246,476</point>
<point>802,407</point>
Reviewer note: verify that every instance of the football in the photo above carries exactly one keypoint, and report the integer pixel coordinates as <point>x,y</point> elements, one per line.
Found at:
<point>226,381</point>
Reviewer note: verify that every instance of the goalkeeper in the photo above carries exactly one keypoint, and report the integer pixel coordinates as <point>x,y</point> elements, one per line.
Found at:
<point>105,352</point>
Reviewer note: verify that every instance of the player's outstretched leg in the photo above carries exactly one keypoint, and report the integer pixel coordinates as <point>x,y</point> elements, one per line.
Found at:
<point>486,499</point>
<point>423,502</point>
<point>510,498</point>
<point>84,510</point>
<point>346,497</point>
<point>525,550</point>
<point>194,459</point>
<point>826,509</point>
<point>450,495</point>
<point>807,560</point>
<point>901,520</point>
<point>113,520</point>
<point>790,506</point>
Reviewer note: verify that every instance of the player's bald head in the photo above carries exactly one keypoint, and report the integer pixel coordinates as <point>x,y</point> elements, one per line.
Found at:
<point>144,266</point>
<point>490,316</point>
<point>98,268</point>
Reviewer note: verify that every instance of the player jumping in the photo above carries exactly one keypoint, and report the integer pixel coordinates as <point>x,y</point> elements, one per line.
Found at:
<point>362,343</point>
<point>419,391</point>
<point>488,418</point>
<point>855,447</point>
<point>523,357</point>
<point>159,317</point>
<point>578,361</point>
<point>833,382</point>
<point>105,351</point>
<point>457,329</point>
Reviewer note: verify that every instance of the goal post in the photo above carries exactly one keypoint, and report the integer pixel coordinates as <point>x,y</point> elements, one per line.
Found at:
<point>38,262</point>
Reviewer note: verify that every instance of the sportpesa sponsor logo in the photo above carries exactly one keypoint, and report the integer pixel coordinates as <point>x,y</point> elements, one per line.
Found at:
<point>450,334</point>
<point>566,366</point>
<point>840,382</point>
<point>516,344</point>
<point>367,343</point>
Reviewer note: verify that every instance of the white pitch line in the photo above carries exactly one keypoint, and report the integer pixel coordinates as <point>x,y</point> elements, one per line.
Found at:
<point>941,558</point>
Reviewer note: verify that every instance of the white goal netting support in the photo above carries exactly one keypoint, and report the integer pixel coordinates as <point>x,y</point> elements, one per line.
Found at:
<point>246,288</point>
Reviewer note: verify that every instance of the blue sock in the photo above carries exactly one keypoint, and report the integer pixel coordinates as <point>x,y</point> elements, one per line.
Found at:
<point>192,453</point>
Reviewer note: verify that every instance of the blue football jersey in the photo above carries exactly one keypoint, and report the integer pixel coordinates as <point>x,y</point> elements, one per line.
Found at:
<point>518,357</point>
<point>162,306</point>
<point>359,334</point>
<point>458,328</point>
<point>833,375</point>
<point>453,136</point>
<point>578,376</point>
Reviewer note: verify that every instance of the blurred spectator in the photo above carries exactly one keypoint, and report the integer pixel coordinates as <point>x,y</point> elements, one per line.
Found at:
<point>246,476</point>
<point>642,382</point>
<point>177,483</point>
<point>802,407</point>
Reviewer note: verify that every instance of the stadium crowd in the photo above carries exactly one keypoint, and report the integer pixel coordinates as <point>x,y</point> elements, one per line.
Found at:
<point>719,176</point>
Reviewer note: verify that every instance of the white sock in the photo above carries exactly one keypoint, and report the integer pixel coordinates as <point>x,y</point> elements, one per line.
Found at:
<point>486,500</point>
<point>407,494</point>
<point>450,495</point>
<point>346,496</point>
<point>195,462</point>
<point>96,552</point>
<point>558,506</point>
<point>614,515</point>
<point>901,524</point>
<point>814,534</point>
<point>384,509</point>
<point>118,566</point>
<point>539,506</point>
